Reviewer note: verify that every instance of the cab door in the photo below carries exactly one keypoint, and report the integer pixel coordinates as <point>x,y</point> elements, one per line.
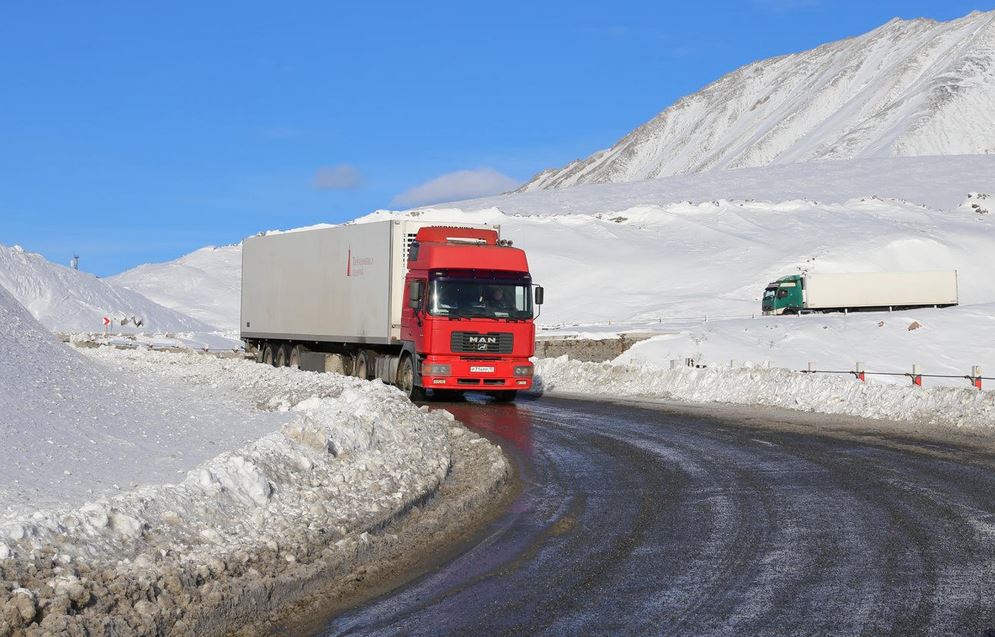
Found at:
<point>413,311</point>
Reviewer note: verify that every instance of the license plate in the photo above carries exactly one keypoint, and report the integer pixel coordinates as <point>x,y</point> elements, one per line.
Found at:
<point>480,369</point>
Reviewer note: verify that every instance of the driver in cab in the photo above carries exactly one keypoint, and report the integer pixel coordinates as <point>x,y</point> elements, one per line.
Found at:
<point>496,300</point>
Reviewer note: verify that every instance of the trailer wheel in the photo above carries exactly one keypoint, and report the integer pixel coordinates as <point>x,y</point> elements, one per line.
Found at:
<point>280,356</point>
<point>267,354</point>
<point>295,357</point>
<point>504,396</point>
<point>360,368</point>
<point>406,380</point>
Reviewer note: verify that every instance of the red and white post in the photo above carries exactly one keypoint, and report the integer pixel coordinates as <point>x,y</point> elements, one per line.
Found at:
<point>976,376</point>
<point>916,375</point>
<point>859,372</point>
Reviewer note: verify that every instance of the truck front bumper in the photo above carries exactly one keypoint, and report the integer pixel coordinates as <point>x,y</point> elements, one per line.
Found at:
<point>480,375</point>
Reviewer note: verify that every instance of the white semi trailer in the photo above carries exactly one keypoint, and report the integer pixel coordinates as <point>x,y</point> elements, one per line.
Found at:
<point>860,291</point>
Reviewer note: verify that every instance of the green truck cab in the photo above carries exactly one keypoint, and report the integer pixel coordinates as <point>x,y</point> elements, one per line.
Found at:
<point>784,295</point>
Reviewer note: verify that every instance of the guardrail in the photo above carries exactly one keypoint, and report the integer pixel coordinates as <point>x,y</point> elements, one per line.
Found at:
<point>974,377</point>
<point>858,372</point>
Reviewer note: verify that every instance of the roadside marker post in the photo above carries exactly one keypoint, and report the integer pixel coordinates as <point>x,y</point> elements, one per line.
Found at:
<point>976,377</point>
<point>916,375</point>
<point>859,372</point>
<point>107,323</point>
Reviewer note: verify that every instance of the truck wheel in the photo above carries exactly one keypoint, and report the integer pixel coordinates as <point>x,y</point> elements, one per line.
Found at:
<point>406,380</point>
<point>504,396</point>
<point>295,357</point>
<point>360,367</point>
<point>280,356</point>
<point>267,356</point>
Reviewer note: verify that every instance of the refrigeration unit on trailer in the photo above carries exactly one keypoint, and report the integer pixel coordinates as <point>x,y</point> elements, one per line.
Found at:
<point>416,304</point>
<point>860,291</point>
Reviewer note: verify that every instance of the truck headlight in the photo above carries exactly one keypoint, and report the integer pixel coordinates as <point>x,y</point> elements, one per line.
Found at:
<point>436,369</point>
<point>523,370</point>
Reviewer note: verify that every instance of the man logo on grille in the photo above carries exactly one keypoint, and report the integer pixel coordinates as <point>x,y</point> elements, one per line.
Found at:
<point>483,340</point>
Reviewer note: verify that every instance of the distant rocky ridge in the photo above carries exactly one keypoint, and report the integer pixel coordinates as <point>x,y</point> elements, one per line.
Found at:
<point>908,88</point>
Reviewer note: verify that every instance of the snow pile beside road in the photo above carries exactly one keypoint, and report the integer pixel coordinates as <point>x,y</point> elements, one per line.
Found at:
<point>349,457</point>
<point>940,406</point>
<point>67,300</point>
<point>71,429</point>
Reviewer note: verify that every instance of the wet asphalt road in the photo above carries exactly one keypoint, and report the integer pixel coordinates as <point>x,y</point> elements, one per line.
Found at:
<point>636,521</point>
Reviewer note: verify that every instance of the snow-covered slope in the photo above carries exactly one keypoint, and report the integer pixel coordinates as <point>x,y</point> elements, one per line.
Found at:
<point>939,183</point>
<point>66,300</point>
<point>908,88</point>
<point>203,284</point>
<point>691,260</point>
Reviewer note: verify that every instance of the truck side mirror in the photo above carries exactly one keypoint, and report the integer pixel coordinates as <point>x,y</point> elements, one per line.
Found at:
<point>538,294</point>
<point>415,294</point>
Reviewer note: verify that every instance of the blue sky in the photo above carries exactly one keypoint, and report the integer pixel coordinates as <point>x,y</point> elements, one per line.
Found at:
<point>134,132</point>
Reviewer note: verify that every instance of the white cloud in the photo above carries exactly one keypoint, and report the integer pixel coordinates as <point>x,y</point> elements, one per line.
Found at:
<point>462,184</point>
<point>341,177</point>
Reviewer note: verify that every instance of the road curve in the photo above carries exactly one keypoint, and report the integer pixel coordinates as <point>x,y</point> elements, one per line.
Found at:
<point>638,521</point>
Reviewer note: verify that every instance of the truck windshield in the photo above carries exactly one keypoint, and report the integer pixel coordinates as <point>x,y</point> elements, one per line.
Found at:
<point>485,298</point>
<point>769,293</point>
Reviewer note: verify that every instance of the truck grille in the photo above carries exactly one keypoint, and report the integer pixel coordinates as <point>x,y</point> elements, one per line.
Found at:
<point>492,342</point>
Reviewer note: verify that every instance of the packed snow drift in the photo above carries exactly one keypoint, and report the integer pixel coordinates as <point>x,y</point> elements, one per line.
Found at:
<point>932,408</point>
<point>71,429</point>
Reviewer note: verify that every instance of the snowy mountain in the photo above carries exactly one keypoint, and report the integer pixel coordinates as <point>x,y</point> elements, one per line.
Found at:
<point>203,284</point>
<point>909,88</point>
<point>66,300</point>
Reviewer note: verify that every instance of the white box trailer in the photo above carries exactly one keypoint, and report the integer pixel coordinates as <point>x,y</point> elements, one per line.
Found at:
<point>342,284</point>
<point>860,291</point>
<point>880,289</point>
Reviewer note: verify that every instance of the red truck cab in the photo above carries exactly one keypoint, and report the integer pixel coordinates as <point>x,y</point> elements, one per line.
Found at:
<point>467,320</point>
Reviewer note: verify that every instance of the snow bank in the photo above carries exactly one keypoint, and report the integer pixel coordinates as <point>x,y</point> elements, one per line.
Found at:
<point>341,460</point>
<point>67,300</point>
<point>245,492</point>
<point>71,429</point>
<point>941,341</point>
<point>940,406</point>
